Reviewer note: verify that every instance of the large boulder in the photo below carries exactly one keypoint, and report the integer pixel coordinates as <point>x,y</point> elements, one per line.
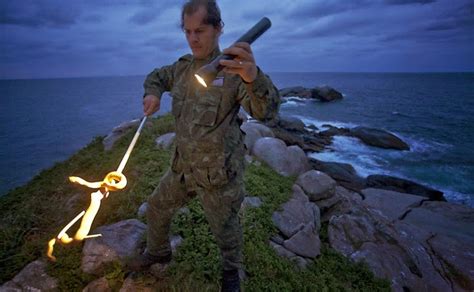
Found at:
<point>254,131</point>
<point>299,223</point>
<point>451,220</point>
<point>291,124</point>
<point>118,241</point>
<point>298,91</point>
<point>343,173</point>
<point>98,285</point>
<point>403,186</point>
<point>326,93</point>
<point>415,255</point>
<point>165,141</point>
<point>392,205</point>
<point>379,138</point>
<point>287,161</point>
<point>317,185</point>
<point>118,132</point>
<point>33,277</point>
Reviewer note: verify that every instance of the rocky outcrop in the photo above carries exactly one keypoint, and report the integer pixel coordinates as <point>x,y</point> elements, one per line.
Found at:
<point>326,93</point>
<point>299,225</point>
<point>379,138</point>
<point>98,285</point>
<point>317,185</point>
<point>403,186</point>
<point>287,161</point>
<point>118,241</point>
<point>322,93</point>
<point>119,131</point>
<point>165,141</point>
<point>417,244</point>
<point>254,131</point>
<point>343,173</point>
<point>33,277</point>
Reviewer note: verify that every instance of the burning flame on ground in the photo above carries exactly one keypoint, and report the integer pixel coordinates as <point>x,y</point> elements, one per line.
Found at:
<point>113,181</point>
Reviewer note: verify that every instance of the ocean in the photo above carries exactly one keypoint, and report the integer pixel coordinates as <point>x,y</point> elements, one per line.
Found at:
<point>44,121</point>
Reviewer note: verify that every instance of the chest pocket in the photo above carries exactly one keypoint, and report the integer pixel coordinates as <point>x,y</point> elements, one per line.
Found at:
<point>207,106</point>
<point>177,95</point>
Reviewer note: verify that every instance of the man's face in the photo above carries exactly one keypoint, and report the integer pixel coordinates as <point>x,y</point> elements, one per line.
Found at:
<point>202,38</point>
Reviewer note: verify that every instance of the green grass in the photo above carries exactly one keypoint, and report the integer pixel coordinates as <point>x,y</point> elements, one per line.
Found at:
<point>34,213</point>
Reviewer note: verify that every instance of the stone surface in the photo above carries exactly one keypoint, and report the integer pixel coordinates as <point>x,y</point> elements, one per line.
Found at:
<point>291,124</point>
<point>451,220</point>
<point>118,132</point>
<point>33,277</point>
<point>305,242</point>
<point>403,186</point>
<point>412,256</point>
<point>326,93</point>
<point>392,205</point>
<point>379,138</point>
<point>295,214</point>
<point>254,131</point>
<point>316,185</point>
<point>287,161</point>
<point>165,141</point>
<point>298,91</point>
<point>118,241</point>
<point>133,285</point>
<point>343,173</point>
<point>142,210</point>
<point>98,285</point>
<point>251,202</point>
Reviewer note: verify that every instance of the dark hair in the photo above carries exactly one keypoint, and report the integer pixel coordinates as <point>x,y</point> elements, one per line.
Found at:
<point>213,12</point>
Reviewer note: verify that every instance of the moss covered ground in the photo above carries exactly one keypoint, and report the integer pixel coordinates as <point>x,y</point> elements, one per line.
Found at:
<point>34,213</point>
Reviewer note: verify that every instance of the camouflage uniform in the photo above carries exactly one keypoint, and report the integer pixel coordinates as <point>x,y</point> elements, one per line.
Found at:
<point>208,157</point>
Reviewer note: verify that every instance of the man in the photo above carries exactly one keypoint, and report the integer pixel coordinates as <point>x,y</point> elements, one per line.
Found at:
<point>208,159</point>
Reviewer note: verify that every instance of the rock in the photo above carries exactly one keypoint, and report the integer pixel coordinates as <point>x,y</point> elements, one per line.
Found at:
<point>334,131</point>
<point>326,93</point>
<point>283,252</point>
<point>251,202</point>
<point>450,220</point>
<point>291,124</point>
<point>344,201</point>
<point>243,115</point>
<point>118,241</point>
<point>98,285</point>
<point>253,132</point>
<point>317,185</point>
<point>175,242</point>
<point>305,242</point>
<point>379,138</point>
<point>296,214</point>
<point>298,91</point>
<point>343,173</point>
<point>165,141</point>
<point>33,277</point>
<point>412,257</point>
<point>142,210</point>
<point>287,161</point>
<point>403,186</point>
<point>118,132</point>
<point>132,285</point>
<point>392,205</point>
<point>184,210</point>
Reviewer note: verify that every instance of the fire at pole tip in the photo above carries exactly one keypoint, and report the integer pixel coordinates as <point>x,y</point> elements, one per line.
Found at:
<point>113,181</point>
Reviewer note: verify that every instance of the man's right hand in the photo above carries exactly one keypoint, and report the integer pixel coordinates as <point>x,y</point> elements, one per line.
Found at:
<point>151,104</point>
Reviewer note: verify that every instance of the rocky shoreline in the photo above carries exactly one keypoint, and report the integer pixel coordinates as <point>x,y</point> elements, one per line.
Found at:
<point>404,231</point>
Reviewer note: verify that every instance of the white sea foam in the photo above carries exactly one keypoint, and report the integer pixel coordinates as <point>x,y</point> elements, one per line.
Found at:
<point>308,121</point>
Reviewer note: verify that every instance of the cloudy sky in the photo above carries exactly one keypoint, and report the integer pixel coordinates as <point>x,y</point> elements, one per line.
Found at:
<point>56,38</point>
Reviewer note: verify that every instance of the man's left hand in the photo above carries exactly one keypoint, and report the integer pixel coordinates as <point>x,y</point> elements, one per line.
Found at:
<point>243,64</point>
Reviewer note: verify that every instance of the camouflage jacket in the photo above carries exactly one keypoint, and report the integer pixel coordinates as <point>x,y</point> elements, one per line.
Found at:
<point>209,142</point>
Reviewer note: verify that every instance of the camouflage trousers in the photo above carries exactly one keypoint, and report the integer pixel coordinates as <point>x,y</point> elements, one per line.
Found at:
<point>221,206</point>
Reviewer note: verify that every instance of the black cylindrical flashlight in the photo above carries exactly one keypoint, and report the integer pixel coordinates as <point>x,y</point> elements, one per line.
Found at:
<point>206,74</point>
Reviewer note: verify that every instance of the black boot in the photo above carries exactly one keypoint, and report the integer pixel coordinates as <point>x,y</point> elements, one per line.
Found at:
<point>230,281</point>
<point>145,260</point>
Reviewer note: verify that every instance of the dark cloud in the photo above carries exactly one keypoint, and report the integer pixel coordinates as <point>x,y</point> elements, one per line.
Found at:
<point>320,9</point>
<point>406,2</point>
<point>144,17</point>
<point>36,13</point>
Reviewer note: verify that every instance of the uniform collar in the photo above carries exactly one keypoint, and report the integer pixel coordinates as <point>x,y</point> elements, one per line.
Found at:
<point>202,62</point>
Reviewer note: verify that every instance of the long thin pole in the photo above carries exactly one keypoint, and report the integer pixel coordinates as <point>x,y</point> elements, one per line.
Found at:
<point>130,147</point>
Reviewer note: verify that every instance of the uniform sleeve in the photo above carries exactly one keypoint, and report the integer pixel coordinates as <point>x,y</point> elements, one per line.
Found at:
<point>260,98</point>
<point>159,81</point>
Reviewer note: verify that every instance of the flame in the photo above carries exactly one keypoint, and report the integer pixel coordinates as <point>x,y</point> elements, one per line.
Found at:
<point>113,181</point>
